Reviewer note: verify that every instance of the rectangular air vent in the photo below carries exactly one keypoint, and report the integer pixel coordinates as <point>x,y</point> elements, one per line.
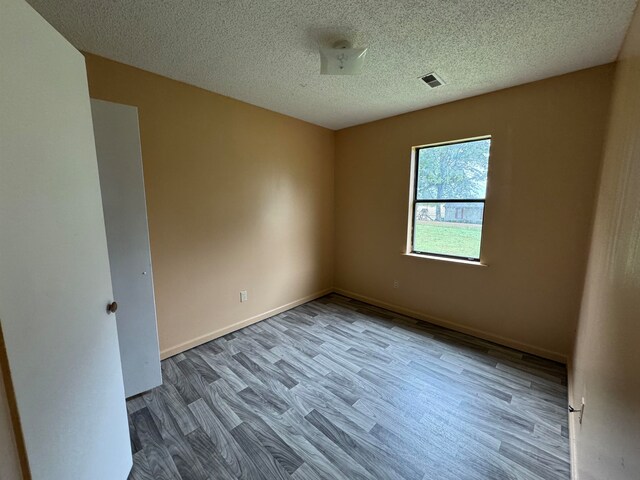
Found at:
<point>432,80</point>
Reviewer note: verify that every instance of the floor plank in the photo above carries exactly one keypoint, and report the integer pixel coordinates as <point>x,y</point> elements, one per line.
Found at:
<point>337,389</point>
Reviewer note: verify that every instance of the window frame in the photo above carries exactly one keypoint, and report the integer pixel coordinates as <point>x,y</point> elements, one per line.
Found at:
<point>415,201</point>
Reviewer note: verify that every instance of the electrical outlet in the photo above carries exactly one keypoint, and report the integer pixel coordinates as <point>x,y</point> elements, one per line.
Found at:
<point>396,284</point>
<point>581,411</point>
<point>243,296</point>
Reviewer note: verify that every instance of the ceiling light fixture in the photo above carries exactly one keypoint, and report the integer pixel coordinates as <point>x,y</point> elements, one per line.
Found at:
<point>342,59</point>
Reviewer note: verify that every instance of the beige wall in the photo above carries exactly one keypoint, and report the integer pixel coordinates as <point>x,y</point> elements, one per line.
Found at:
<point>238,197</point>
<point>606,363</point>
<point>545,157</point>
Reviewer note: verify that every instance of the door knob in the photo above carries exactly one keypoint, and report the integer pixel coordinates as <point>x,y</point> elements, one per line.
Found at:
<point>112,307</point>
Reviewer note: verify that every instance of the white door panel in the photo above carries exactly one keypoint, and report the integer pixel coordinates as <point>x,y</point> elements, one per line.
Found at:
<point>54,273</point>
<point>125,213</point>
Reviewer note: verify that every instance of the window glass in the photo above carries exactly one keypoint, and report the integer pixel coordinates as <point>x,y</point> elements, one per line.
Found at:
<point>453,229</point>
<point>449,196</point>
<point>457,171</point>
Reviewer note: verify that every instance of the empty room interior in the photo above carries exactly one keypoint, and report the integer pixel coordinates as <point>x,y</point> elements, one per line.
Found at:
<point>293,239</point>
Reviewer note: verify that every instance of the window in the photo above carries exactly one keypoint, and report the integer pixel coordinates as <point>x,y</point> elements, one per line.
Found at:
<point>448,198</point>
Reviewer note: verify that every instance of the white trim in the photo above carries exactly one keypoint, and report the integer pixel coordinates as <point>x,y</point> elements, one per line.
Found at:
<point>508,342</point>
<point>572,421</point>
<point>175,350</point>
<point>453,142</point>
<point>424,256</point>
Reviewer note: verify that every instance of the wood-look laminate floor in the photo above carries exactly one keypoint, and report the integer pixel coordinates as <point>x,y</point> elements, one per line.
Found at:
<point>336,389</point>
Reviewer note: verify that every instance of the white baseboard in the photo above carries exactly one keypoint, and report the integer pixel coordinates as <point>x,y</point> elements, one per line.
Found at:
<point>170,352</point>
<point>507,342</point>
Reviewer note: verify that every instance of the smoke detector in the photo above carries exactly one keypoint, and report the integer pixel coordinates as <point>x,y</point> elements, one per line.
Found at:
<point>432,79</point>
<point>342,59</point>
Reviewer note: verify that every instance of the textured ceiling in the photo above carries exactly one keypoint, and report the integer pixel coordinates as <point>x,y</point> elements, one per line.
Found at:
<point>265,52</point>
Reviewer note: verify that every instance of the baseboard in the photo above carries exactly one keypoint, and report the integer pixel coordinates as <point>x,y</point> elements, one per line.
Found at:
<point>541,352</point>
<point>507,342</point>
<point>170,352</point>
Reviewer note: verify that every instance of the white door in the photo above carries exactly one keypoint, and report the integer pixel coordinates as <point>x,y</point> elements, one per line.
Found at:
<point>115,128</point>
<point>61,344</point>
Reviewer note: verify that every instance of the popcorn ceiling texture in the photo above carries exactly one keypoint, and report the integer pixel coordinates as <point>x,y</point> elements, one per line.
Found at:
<point>266,52</point>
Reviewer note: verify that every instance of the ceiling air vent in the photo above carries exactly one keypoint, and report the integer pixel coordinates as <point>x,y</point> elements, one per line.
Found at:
<point>432,80</point>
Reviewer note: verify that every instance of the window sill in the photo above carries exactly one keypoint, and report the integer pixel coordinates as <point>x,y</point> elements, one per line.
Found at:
<point>445,259</point>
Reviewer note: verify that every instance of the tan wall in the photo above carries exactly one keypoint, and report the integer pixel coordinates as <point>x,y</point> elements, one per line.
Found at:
<point>238,197</point>
<point>545,157</point>
<point>606,362</point>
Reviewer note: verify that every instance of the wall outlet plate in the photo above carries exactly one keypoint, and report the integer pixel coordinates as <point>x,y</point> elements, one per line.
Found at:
<point>243,296</point>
